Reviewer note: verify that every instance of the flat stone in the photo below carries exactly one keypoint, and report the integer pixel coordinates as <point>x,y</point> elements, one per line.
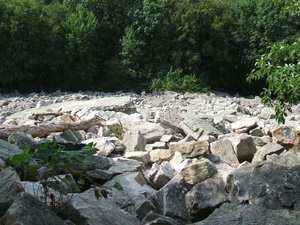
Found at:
<point>224,149</point>
<point>190,149</point>
<point>268,149</point>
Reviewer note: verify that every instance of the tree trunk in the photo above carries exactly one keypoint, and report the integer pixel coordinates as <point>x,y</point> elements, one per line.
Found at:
<point>42,129</point>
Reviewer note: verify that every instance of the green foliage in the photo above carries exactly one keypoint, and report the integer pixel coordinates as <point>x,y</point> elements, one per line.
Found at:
<point>176,81</point>
<point>281,70</point>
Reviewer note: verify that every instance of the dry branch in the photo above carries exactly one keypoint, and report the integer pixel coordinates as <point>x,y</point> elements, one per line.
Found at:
<point>42,129</point>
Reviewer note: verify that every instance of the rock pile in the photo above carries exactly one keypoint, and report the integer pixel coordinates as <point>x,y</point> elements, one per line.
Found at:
<point>180,159</point>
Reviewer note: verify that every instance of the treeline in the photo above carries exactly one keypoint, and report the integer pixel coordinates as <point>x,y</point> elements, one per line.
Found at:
<point>109,45</point>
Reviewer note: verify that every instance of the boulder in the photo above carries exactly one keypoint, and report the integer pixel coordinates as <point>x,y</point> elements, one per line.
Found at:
<point>22,140</point>
<point>248,214</point>
<point>125,165</point>
<point>153,218</point>
<point>265,184</point>
<point>244,125</point>
<point>143,157</point>
<point>27,209</point>
<point>286,159</point>
<point>268,149</point>
<point>197,127</point>
<point>244,147</point>
<point>85,208</point>
<point>7,150</point>
<point>160,155</point>
<point>204,197</point>
<point>151,131</point>
<point>134,141</point>
<point>64,183</point>
<point>287,136</point>
<point>190,149</point>
<point>72,136</point>
<point>160,175</point>
<point>10,186</point>
<point>170,200</point>
<point>198,172</point>
<point>224,149</point>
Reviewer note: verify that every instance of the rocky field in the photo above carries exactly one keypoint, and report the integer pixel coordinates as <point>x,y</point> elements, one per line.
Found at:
<point>177,159</point>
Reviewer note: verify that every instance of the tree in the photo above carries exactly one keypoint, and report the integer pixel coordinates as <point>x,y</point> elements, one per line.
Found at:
<point>281,69</point>
<point>80,48</point>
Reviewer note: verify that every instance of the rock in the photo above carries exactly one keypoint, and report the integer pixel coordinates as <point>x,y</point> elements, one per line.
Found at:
<point>151,131</point>
<point>134,141</point>
<point>168,119</point>
<point>265,184</point>
<point>248,214</point>
<point>197,127</point>
<point>176,160</point>
<point>244,147</point>
<point>204,197</point>
<point>190,149</point>
<point>143,157</point>
<point>198,172</point>
<point>27,209</point>
<point>131,201</point>
<point>10,186</point>
<point>63,183</point>
<point>267,113</point>
<point>256,132</point>
<point>287,136</point>
<point>268,149</point>
<point>22,140</point>
<point>153,218</point>
<point>244,125</point>
<point>99,175</point>
<point>224,149</point>
<point>7,150</point>
<point>160,155</point>
<point>85,208</point>
<point>286,159</point>
<point>125,165</point>
<point>72,136</point>
<point>160,175</point>
<point>115,127</point>
<point>170,200</point>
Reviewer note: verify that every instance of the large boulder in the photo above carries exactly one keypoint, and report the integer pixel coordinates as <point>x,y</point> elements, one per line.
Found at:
<point>244,147</point>
<point>266,184</point>
<point>268,149</point>
<point>248,214</point>
<point>7,150</point>
<point>199,171</point>
<point>22,140</point>
<point>27,209</point>
<point>170,200</point>
<point>197,127</point>
<point>204,197</point>
<point>160,175</point>
<point>224,149</point>
<point>153,218</point>
<point>190,149</point>
<point>10,186</point>
<point>286,159</point>
<point>85,208</point>
<point>244,125</point>
<point>287,136</point>
<point>134,141</point>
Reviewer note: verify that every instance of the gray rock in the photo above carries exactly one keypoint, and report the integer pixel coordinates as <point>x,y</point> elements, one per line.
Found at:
<point>73,136</point>
<point>286,159</point>
<point>161,155</point>
<point>143,157</point>
<point>64,183</point>
<point>224,149</point>
<point>134,141</point>
<point>153,218</point>
<point>268,149</point>
<point>10,186</point>
<point>22,140</point>
<point>248,214</point>
<point>160,175</point>
<point>190,149</point>
<point>265,184</point>
<point>205,197</point>
<point>198,127</point>
<point>99,175</point>
<point>7,150</point>
<point>85,208</point>
<point>126,165</point>
<point>27,209</point>
<point>244,147</point>
<point>244,125</point>
<point>170,200</point>
<point>198,172</point>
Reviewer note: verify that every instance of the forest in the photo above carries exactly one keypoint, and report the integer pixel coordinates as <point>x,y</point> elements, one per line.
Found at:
<point>139,45</point>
